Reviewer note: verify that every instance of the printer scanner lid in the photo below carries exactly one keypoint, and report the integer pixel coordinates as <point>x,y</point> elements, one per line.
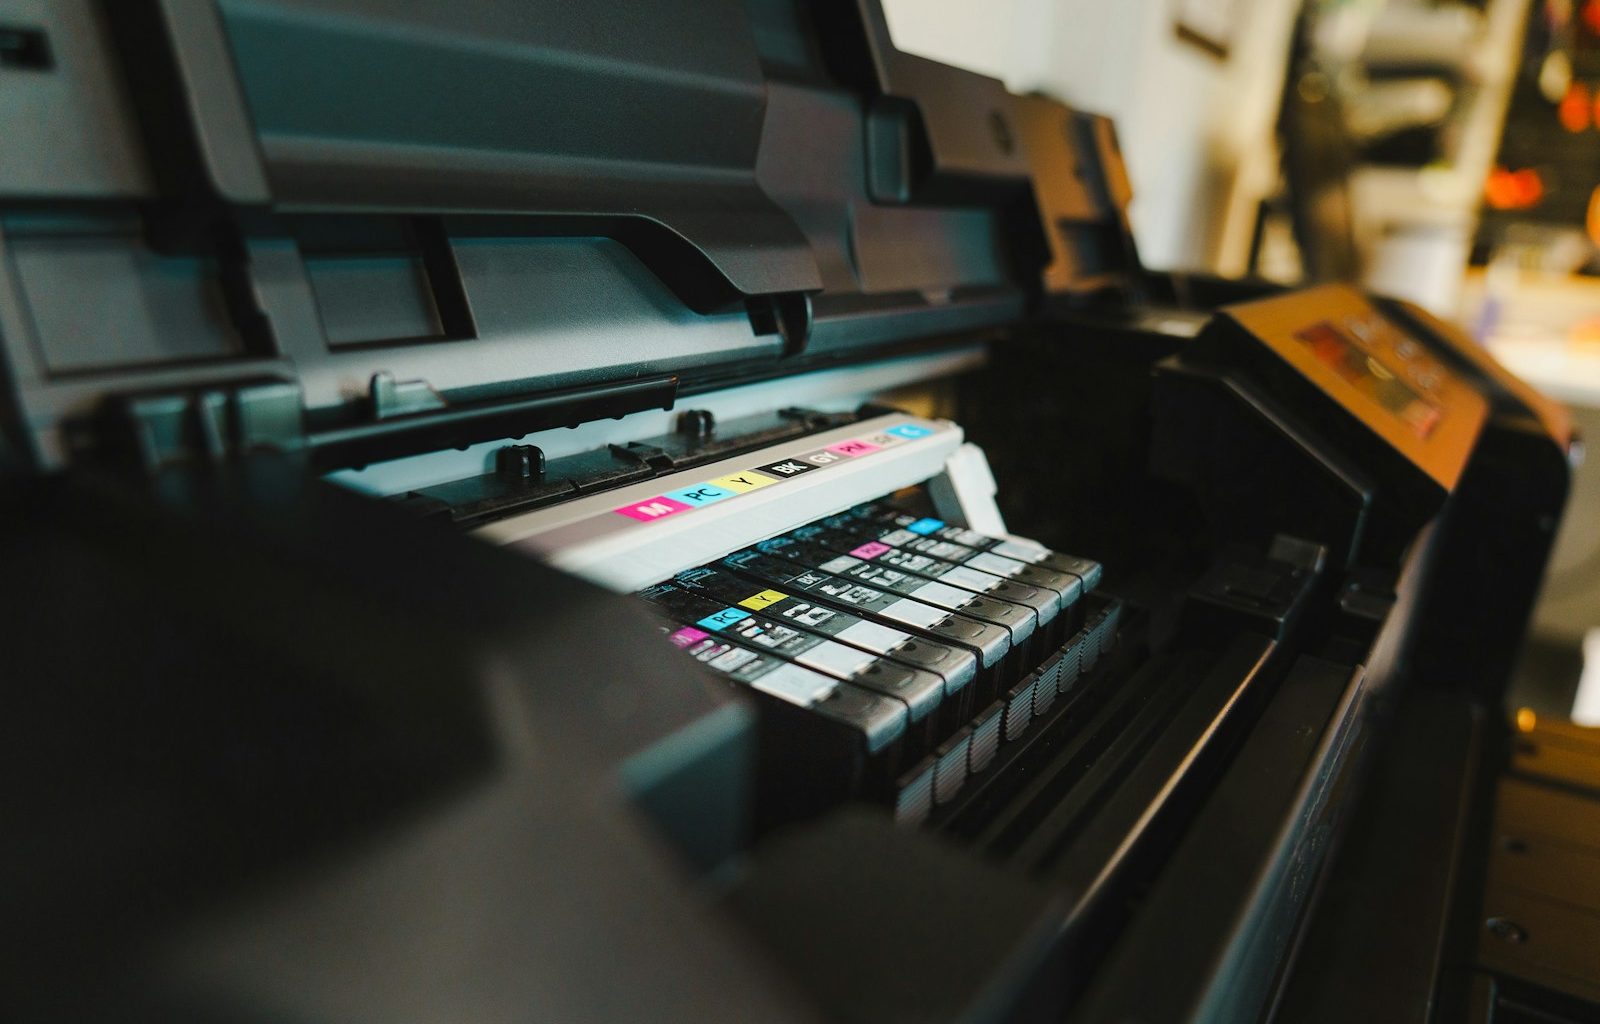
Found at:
<point>362,230</point>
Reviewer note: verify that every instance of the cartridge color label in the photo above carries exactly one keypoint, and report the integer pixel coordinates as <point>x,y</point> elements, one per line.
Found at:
<point>687,637</point>
<point>821,457</point>
<point>869,550</point>
<point>653,508</point>
<point>722,488</point>
<point>756,602</point>
<point>854,449</point>
<point>787,468</point>
<point>700,494</point>
<point>740,483</point>
<point>721,620</point>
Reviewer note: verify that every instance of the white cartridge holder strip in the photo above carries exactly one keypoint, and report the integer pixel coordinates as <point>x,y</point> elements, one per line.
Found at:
<point>640,534</point>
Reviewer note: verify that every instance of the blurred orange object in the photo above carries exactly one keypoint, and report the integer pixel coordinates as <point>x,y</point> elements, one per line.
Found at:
<point>1513,190</point>
<point>1574,108</point>
<point>1591,16</point>
<point>1591,220</point>
<point>1585,334</point>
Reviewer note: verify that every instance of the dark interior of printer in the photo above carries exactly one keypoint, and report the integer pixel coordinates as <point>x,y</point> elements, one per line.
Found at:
<point>390,388</point>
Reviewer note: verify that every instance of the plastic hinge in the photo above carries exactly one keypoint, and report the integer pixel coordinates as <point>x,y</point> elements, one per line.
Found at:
<point>204,426</point>
<point>491,495</point>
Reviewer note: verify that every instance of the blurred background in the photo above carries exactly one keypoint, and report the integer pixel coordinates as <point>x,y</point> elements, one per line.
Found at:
<point>1443,151</point>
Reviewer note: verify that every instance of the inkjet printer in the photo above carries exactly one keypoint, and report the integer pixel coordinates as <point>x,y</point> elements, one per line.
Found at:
<point>679,511</point>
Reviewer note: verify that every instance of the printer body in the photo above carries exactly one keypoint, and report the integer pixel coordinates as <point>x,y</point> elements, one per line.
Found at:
<point>681,511</point>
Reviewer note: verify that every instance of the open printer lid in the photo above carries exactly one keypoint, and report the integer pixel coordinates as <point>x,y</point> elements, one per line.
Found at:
<point>364,230</point>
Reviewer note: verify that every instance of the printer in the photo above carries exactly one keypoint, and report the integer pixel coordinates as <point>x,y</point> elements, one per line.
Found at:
<point>679,511</point>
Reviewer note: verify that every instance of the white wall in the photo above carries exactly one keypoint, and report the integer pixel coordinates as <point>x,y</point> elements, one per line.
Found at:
<point>1197,132</point>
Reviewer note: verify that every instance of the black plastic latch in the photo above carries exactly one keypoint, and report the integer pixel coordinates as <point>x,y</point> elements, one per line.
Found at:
<point>814,420</point>
<point>1246,589</point>
<point>790,316</point>
<point>411,418</point>
<point>391,398</point>
<point>654,456</point>
<point>1367,594</point>
<point>697,424</point>
<point>519,462</point>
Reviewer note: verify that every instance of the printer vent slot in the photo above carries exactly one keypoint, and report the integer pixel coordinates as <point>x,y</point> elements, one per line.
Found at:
<point>385,281</point>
